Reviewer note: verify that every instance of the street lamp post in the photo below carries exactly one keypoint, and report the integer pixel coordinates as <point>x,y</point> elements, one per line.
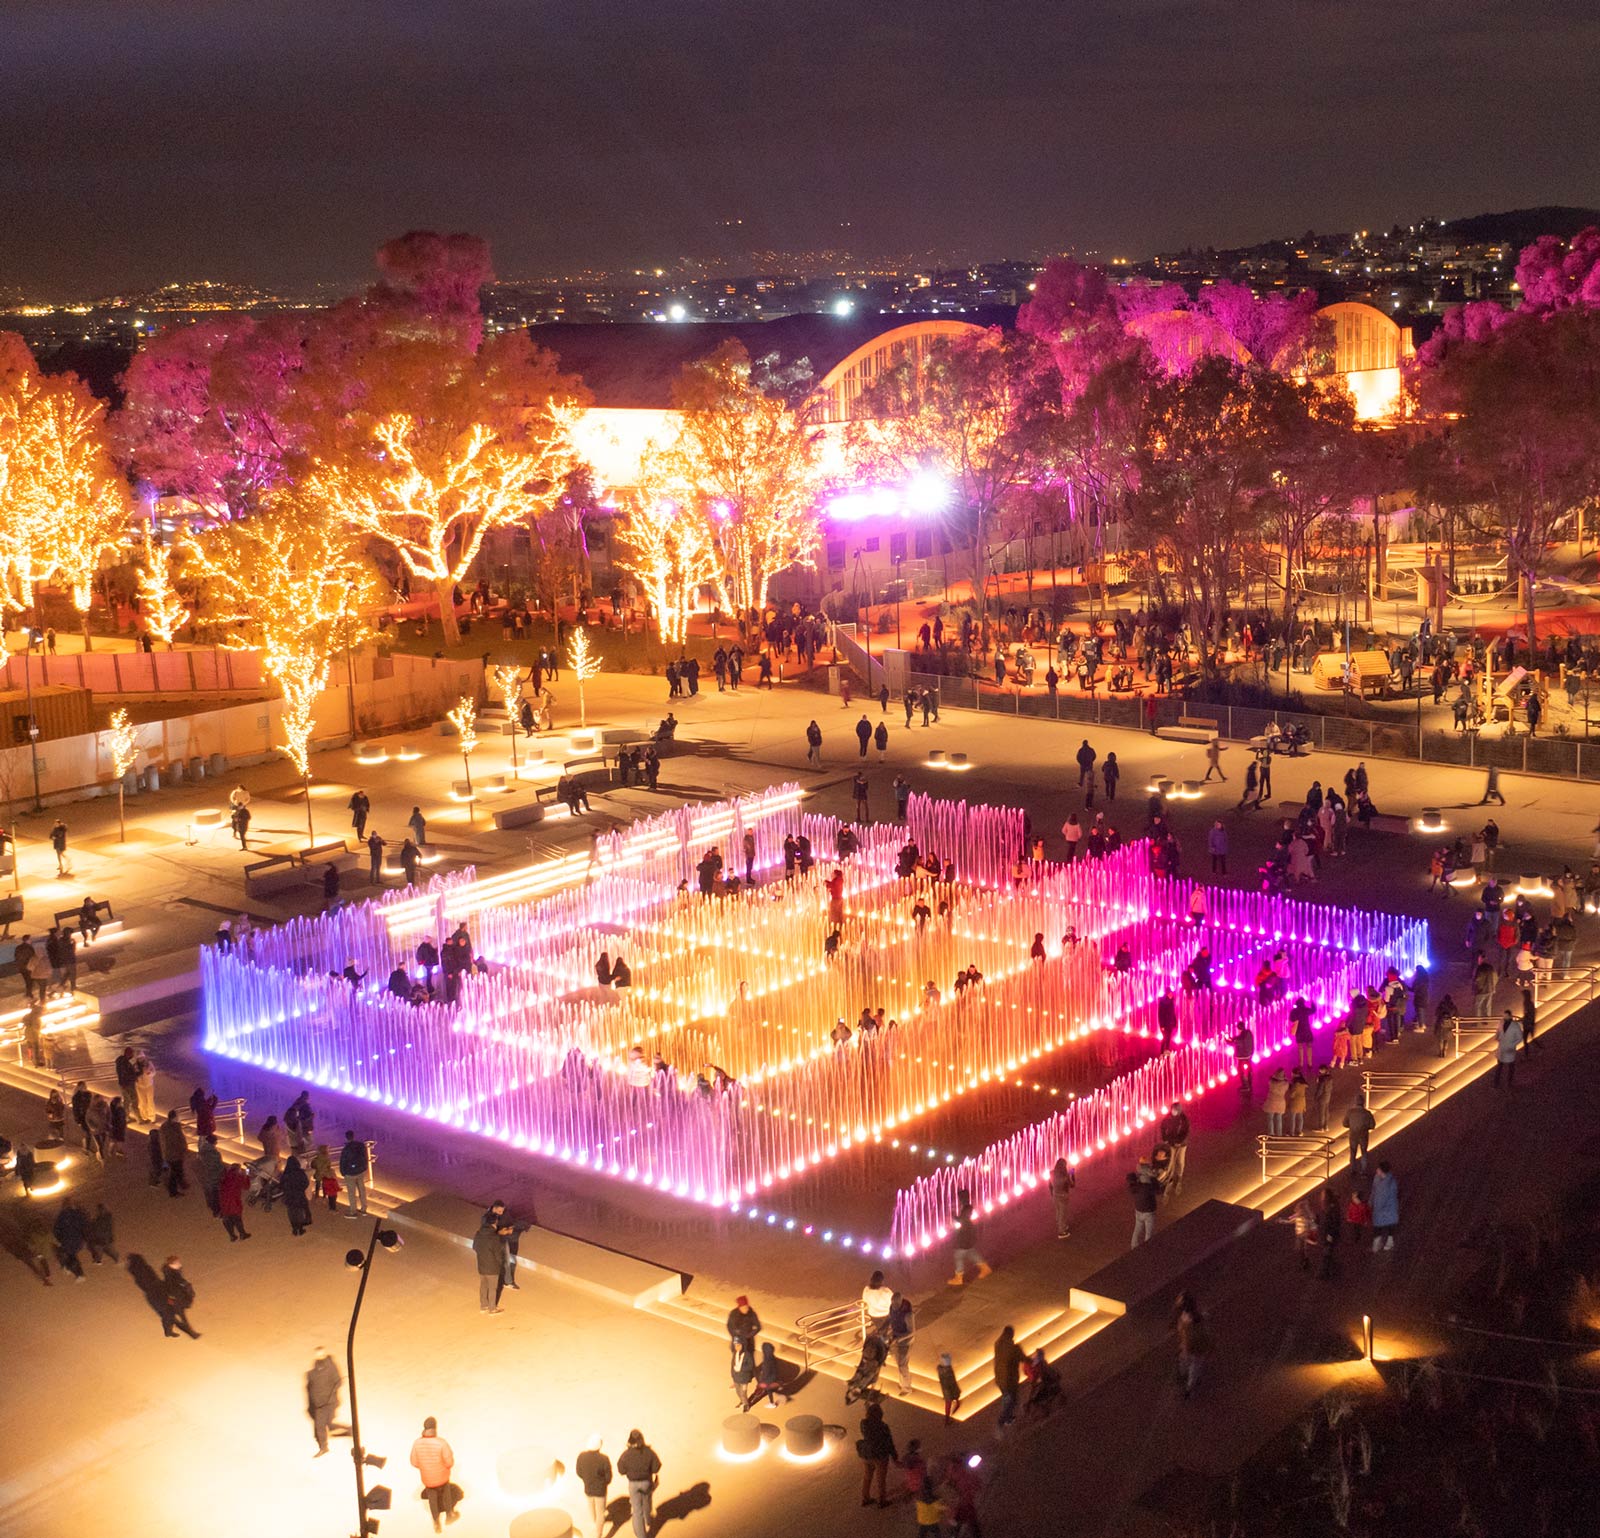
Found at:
<point>34,637</point>
<point>379,1496</point>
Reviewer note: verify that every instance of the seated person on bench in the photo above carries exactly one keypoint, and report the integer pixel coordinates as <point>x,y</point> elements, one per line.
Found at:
<point>668,728</point>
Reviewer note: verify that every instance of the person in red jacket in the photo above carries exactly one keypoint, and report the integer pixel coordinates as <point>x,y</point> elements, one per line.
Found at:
<point>230,1201</point>
<point>432,1458</point>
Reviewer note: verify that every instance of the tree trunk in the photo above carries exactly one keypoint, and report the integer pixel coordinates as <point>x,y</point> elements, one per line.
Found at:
<point>88,640</point>
<point>447,612</point>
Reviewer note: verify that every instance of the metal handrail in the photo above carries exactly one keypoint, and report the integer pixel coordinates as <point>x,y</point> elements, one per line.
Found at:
<point>1418,1080</point>
<point>1306,1146</point>
<point>847,1322</point>
<point>1475,1025</point>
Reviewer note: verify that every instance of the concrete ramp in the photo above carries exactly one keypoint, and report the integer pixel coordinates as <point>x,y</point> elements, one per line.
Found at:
<point>608,1274</point>
<point>1138,1275</point>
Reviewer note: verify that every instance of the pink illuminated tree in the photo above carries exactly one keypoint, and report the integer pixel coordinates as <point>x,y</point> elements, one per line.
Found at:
<point>1276,330</point>
<point>1556,274</point>
<point>205,415</point>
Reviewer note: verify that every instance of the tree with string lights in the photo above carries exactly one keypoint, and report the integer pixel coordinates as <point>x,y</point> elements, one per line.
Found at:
<point>668,552</point>
<point>161,606</point>
<point>292,583</point>
<point>465,720</point>
<point>441,447</point>
<point>585,664</point>
<point>65,504</point>
<point>123,741</point>
<point>508,680</point>
<point>747,466</point>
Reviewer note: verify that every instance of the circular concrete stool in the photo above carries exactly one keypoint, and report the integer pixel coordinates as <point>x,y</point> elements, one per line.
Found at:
<point>958,758</point>
<point>542,1522</point>
<point>1432,820</point>
<point>802,1436</point>
<point>1191,787</point>
<point>935,755</point>
<point>741,1435</point>
<point>1163,786</point>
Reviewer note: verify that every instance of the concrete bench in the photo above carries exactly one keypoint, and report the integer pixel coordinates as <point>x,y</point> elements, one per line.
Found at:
<point>1388,822</point>
<point>1183,733</point>
<point>1154,1269</point>
<point>276,873</point>
<point>528,814</point>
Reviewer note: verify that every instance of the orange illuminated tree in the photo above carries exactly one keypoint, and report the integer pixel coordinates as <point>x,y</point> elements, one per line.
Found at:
<point>668,551</point>
<point>293,584</point>
<point>747,466</point>
<point>428,448</point>
<point>161,606</point>
<point>63,503</point>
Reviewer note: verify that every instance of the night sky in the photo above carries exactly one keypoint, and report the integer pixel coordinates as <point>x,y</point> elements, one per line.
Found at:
<point>281,142</point>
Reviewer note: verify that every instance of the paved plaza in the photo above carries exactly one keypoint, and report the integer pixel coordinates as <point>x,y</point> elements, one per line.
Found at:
<point>218,1424</point>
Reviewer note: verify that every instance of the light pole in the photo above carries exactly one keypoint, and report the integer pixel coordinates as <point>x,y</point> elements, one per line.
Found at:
<point>34,637</point>
<point>379,1496</point>
<point>899,593</point>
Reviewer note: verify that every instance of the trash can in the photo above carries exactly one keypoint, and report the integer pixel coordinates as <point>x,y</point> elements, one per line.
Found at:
<point>175,772</point>
<point>152,778</point>
<point>217,766</point>
<point>197,767</point>
<point>833,677</point>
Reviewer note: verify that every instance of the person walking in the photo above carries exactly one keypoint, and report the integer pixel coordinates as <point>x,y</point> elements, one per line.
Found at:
<point>743,1325</point>
<point>859,789</point>
<point>1062,1180</point>
<point>375,847</point>
<point>1214,761</point>
<point>1491,787</point>
<point>1111,772</point>
<point>1086,757</point>
<point>1007,1373</point>
<point>875,1447</point>
<point>360,808</point>
<point>208,1159</point>
<point>433,1458</point>
<point>949,1386</point>
<point>1330,1228</point>
<point>1217,847</point>
<point>1359,1123</point>
<point>174,1149</point>
<point>966,1242</point>
<point>1507,1040</point>
<point>1145,1192</point>
<point>419,827</point>
<point>1385,1207</point>
<point>1276,1102</point>
<point>1250,793</point>
<point>176,1299</point>
<point>593,1469</point>
<point>58,842</point>
<point>239,821</point>
<point>1174,1132</point>
<point>353,1166</point>
<point>101,1234</point>
<point>1194,1342</point>
<point>490,1250</point>
<point>1294,1104</point>
<point>642,1469</point>
<point>323,1383</point>
<point>899,1327</point>
<point>71,1233</point>
<point>296,1185</point>
<point>864,733</point>
<point>230,1201</point>
<point>813,749</point>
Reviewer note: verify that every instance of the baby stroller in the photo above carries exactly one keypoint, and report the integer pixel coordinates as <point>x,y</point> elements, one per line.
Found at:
<point>1044,1385</point>
<point>874,1352</point>
<point>265,1187</point>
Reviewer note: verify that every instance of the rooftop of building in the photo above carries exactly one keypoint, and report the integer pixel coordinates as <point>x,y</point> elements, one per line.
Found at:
<point>636,364</point>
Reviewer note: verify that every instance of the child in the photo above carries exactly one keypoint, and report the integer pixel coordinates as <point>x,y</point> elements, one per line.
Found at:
<point>1369,1032</point>
<point>1341,1044</point>
<point>948,1386</point>
<point>930,1513</point>
<point>1358,1215</point>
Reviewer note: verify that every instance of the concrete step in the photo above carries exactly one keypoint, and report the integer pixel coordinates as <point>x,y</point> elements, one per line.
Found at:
<point>592,1268</point>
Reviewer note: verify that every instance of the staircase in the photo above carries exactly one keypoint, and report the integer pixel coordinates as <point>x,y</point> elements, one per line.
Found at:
<point>828,1343</point>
